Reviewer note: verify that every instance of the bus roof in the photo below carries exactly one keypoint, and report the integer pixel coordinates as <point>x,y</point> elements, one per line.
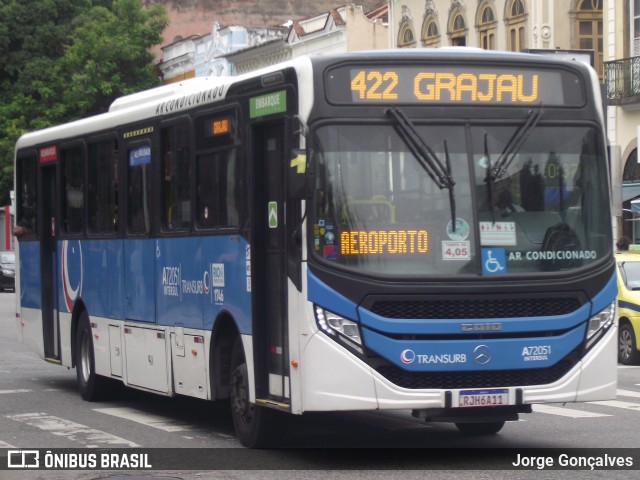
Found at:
<point>152,103</point>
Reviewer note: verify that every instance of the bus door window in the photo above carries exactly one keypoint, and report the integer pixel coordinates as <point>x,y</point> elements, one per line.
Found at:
<point>176,168</point>
<point>73,205</point>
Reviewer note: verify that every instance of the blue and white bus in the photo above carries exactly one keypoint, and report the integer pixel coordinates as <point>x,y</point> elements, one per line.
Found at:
<point>420,230</point>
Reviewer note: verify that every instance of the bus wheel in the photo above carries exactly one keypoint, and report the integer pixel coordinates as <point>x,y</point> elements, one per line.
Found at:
<point>483,428</point>
<point>627,349</point>
<point>254,425</point>
<point>91,386</point>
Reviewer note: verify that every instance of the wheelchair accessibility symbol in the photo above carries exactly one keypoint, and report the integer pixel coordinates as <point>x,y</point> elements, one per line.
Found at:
<point>494,261</point>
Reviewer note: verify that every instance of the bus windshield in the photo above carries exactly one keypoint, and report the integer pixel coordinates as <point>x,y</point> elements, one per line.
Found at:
<point>533,204</point>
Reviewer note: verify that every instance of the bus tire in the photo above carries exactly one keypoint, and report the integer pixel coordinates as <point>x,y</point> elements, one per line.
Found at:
<point>482,428</point>
<point>628,353</point>
<point>254,425</point>
<point>91,386</point>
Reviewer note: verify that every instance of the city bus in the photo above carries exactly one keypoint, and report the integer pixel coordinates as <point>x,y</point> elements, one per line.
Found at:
<point>419,230</point>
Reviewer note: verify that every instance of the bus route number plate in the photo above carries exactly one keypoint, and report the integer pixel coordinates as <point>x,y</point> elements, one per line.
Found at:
<point>484,398</point>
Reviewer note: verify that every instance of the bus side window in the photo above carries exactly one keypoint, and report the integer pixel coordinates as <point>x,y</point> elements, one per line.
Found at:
<point>176,168</point>
<point>27,199</point>
<point>103,187</point>
<point>217,188</point>
<point>139,185</point>
<point>73,163</point>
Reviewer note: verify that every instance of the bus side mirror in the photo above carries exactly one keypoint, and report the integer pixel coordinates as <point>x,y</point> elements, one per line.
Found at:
<point>298,174</point>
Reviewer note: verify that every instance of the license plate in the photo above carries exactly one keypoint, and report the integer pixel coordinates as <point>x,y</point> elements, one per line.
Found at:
<point>484,398</point>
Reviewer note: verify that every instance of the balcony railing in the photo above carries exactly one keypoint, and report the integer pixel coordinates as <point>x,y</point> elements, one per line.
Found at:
<point>622,81</point>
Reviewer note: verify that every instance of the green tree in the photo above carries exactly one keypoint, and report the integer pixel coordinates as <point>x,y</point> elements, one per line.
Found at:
<point>65,59</point>
<point>109,56</point>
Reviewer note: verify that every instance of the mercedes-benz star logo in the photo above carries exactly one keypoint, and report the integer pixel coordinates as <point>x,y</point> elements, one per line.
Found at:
<point>482,354</point>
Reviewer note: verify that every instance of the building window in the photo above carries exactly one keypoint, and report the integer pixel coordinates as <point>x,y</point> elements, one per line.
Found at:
<point>590,30</point>
<point>487,27</point>
<point>635,28</point>
<point>430,32</point>
<point>457,28</point>
<point>631,174</point>
<point>406,37</point>
<point>516,25</point>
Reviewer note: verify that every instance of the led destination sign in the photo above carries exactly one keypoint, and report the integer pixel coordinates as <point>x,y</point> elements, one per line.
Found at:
<point>446,84</point>
<point>384,242</point>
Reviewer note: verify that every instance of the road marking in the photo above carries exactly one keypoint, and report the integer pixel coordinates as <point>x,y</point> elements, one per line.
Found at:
<point>5,445</point>
<point>148,419</point>
<point>628,393</point>
<point>19,390</point>
<point>619,404</point>
<point>75,432</point>
<point>566,412</point>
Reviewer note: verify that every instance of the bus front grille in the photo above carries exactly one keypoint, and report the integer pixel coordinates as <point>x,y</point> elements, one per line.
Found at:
<point>475,308</point>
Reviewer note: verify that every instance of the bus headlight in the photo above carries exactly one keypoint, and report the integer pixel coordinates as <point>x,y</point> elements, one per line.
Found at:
<point>339,328</point>
<point>599,323</point>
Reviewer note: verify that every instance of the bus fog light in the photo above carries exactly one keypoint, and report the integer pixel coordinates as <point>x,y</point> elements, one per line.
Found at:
<point>335,325</point>
<point>600,322</point>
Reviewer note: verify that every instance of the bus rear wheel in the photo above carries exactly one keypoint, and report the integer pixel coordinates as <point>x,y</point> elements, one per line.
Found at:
<point>483,428</point>
<point>254,425</point>
<point>92,387</point>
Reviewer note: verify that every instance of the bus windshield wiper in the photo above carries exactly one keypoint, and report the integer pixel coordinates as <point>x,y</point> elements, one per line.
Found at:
<point>428,159</point>
<point>514,144</point>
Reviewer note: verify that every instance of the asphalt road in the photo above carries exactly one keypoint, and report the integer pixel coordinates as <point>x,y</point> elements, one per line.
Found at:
<point>41,409</point>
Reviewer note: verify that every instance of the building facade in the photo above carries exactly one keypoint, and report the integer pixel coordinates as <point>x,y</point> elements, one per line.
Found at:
<point>622,85</point>
<point>515,25</point>
<point>235,50</point>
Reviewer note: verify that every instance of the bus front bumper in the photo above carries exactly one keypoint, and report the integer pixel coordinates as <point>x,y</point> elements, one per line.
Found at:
<point>333,379</point>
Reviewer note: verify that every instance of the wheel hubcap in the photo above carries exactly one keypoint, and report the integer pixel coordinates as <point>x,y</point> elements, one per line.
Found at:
<point>85,365</point>
<point>625,344</point>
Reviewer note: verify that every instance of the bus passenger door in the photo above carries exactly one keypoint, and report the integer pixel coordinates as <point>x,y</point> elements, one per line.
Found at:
<point>268,260</point>
<point>48,265</point>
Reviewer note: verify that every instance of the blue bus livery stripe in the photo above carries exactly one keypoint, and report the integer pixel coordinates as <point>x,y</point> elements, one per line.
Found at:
<point>326,297</point>
<point>474,355</point>
<point>453,326</point>
<point>30,281</point>
<point>186,281</point>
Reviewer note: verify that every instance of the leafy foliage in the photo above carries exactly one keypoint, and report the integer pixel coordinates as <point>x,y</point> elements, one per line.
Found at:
<point>65,59</point>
